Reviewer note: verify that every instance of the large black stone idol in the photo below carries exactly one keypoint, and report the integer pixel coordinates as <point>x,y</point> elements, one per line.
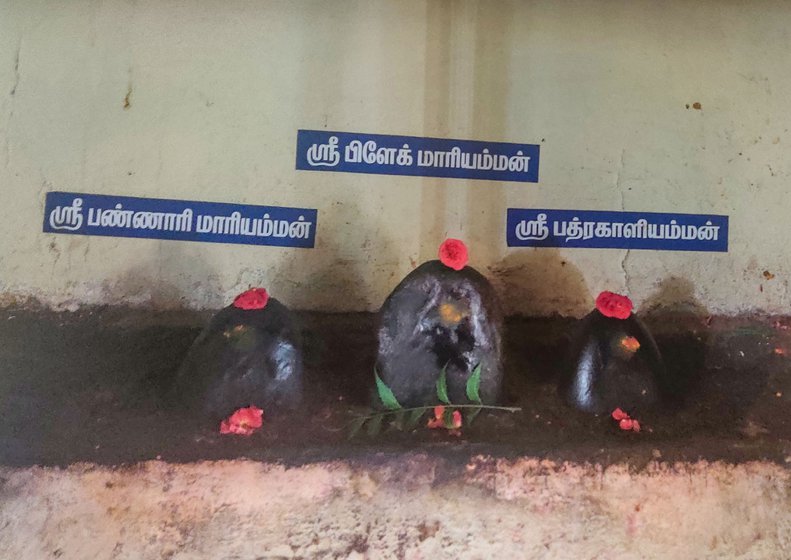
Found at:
<point>444,314</point>
<point>249,355</point>
<point>613,361</point>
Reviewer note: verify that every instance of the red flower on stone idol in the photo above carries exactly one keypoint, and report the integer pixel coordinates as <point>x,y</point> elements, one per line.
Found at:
<point>243,422</point>
<point>614,305</point>
<point>254,298</point>
<point>453,254</point>
<point>454,422</point>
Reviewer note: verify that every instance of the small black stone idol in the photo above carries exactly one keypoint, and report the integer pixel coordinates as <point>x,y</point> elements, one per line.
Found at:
<point>248,356</point>
<point>444,314</point>
<point>614,363</point>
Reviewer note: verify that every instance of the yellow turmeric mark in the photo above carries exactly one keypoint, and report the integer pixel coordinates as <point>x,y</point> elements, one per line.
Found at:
<point>450,314</point>
<point>630,344</point>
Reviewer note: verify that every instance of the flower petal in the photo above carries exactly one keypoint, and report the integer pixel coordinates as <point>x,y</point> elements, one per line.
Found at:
<point>457,419</point>
<point>254,298</point>
<point>243,421</point>
<point>453,253</point>
<point>619,414</point>
<point>614,305</point>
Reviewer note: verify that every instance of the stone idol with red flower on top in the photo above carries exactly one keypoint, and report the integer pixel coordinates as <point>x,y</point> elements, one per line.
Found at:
<point>443,315</point>
<point>247,359</point>
<point>614,362</point>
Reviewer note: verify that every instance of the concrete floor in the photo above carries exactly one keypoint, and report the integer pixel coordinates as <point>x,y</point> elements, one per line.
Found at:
<point>94,463</point>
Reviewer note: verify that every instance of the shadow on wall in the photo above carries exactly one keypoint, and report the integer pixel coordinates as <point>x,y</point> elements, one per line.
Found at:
<point>540,282</point>
<point>674,297</point>
<point>339,341</point>
<point>677,320</point>
<point>336,277</point>
<point>173,278</point>
<point>537,283</point>
<point>718,374</point>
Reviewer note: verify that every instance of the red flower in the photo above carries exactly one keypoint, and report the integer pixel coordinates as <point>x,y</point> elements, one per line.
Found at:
<point>624,421</point>
<point>456,421</point>
<point>254,298</point>
<point>614,305</point>
<point>619,414</point>
<point>453,254</point>
<point>439,421</point>
<point>244,421</point>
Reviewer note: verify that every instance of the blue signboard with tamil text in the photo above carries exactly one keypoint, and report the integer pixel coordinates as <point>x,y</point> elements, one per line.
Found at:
<point>320,150</point>
<point>184,220</point>
<point>616,230</point>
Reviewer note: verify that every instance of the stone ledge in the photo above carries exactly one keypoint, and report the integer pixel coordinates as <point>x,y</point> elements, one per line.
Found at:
<point>83,421</point>
<point>412,506</point>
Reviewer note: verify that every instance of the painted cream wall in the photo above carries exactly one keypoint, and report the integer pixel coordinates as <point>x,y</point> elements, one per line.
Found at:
<point>218,89</point>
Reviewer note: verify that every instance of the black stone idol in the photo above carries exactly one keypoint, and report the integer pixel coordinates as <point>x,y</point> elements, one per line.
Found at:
<point>613,362</point>
<point>444,314</point>
<point>249,355</point>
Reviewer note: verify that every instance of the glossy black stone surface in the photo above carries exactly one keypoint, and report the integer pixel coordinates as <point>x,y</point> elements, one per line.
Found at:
<point>243,358</point>
<point>605,371</point>
<point>438,317</point>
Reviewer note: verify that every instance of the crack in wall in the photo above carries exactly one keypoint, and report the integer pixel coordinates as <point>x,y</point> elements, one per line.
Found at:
<point>16,68</point>
<point>619,187</point>
<point>12,93</point>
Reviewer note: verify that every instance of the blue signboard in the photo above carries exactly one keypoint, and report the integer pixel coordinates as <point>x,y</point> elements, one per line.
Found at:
<point>320,150</point>
<point>616,230</point>
<point>183,220</point>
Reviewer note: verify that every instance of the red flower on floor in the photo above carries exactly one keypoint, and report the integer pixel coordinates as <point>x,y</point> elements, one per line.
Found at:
<point>453,254</point>
<point>619,414</point>
<point>614,305</point>
<point>624,421</point>
<point>439,419</point>
<point>243,422</point>
<point>254,298</point>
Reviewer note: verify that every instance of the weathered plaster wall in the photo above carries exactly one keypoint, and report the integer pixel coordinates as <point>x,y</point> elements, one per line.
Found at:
<point>408,508</point>
<point>201,101</point>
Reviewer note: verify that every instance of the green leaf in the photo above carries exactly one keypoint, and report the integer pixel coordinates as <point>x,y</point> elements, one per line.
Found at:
<point>375,425</point>
<point>356,425</point>
<point>385,394</point>
<point>442,386</point>
<point>414,418</point>
<point>470,416</point>
<point>474,384</point>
